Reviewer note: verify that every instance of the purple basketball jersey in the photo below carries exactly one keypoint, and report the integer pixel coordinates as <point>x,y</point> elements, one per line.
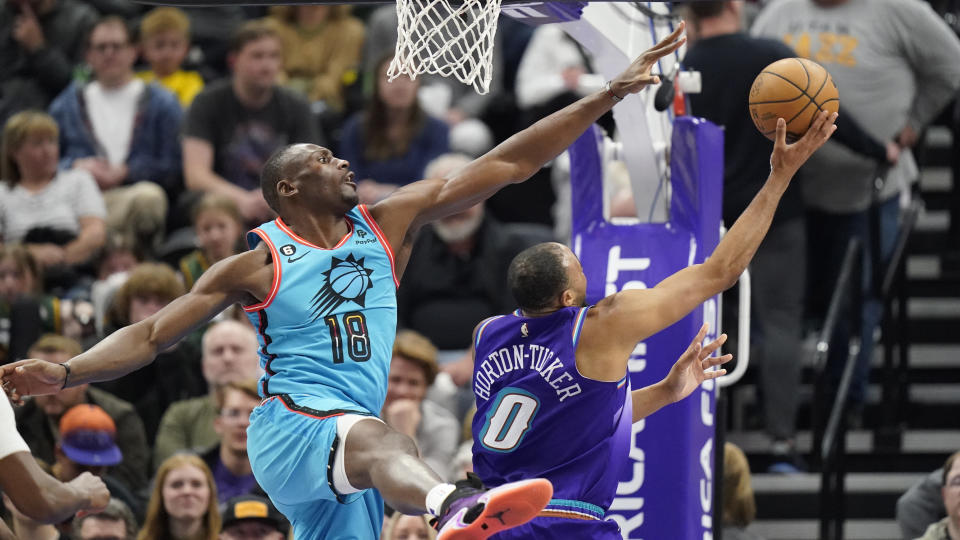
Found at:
<point>538,417</point>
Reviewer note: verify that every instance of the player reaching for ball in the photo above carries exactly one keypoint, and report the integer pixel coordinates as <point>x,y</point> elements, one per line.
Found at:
<point>319,283</point>
<point>574,378</point>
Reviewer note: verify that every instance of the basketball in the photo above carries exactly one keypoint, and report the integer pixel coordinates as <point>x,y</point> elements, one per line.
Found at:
<point>794,89</point>
<point>348,279</point>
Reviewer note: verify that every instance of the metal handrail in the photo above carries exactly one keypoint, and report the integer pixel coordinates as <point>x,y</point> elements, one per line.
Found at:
<point>831,442</point>
<point>743,335</point>
<point>850,259</point>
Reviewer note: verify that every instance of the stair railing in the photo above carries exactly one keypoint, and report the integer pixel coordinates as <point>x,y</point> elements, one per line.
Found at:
<point>829,445</point>
<point>893,291</point>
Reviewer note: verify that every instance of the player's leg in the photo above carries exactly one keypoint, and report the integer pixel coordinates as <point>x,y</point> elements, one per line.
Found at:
<point>377,456</point>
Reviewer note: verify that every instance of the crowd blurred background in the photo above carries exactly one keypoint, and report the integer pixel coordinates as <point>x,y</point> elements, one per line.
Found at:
<point>133,138</point>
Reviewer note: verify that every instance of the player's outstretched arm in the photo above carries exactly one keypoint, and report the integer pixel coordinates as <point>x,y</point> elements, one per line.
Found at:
<point>520,156</point>
<point>687,374</point>
<point>236,279</point>
<point>623,319</point>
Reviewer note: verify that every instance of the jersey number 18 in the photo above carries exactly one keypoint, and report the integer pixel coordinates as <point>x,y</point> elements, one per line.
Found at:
<point>358,342</point>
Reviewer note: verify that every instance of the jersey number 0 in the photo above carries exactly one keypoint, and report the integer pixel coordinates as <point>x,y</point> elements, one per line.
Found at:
<point>509,419</point>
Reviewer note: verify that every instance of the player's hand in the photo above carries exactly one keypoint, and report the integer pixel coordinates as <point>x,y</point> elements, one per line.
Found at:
<point>908,137</point>
<point>93,488</point>
<point>696,365</point>
<point>637,77</point>
<point>31,377</point>
<point>787,158</point>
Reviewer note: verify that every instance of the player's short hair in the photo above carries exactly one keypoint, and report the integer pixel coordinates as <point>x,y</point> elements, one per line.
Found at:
<point>415,347</point>
<point>272,172</point>
<point>53,343</point>
<point>163,19</point>
<point>705,10</point>
<point>250,32</point>
<point>949,465</point>
<point>536,276</point>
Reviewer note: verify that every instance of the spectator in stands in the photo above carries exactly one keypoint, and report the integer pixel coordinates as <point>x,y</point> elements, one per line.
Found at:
<point>165,40</point>
<point>183,502</point>
<point>228,458</point>
<point>403,527</point>
<point>406,409</point>
<point>39,418</point>
<point>392,140</point>
<point>739,506</point>
<point>456,274</point>
<point>895,63</point>
<point>19,281</point>
<point>31,489</point>
<point>114,264</point>
<point>321,50</point>
<point>921,505</point>
<point>553,73</point>
<point>40,42</point>
<point>124,133</point>
<point>250,516</point>
<point>235,124</point>
<point>949,527</point>
<point>229,355</point>
<point>457,270</point>
<point>457,104</point>
<point>728,61</point>
<point>176,376</point>
<point>219,228</point>
<point>87,445</point>
<point>115,522</point>
<point>59,215</point>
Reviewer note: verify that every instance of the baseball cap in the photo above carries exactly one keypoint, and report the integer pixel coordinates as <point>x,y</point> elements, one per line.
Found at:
<point>251,507</point>
<point>87,436</point>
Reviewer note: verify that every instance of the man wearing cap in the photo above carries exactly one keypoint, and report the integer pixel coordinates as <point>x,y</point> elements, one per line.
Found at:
<point>38,420</point>
<point>86,446</point>
<point>251,517</point>
<point>33,491</point>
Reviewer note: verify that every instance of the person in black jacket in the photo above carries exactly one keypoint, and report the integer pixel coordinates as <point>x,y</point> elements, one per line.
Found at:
<point>728,60</point>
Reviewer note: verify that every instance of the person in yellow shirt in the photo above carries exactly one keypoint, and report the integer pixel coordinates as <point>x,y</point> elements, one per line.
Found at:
<point>165,40</point>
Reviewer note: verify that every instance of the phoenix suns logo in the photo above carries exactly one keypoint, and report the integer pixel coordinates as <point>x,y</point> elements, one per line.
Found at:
<point>347,280</point>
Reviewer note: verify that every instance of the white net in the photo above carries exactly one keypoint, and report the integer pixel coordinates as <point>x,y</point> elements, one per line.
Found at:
<point>447,38</point>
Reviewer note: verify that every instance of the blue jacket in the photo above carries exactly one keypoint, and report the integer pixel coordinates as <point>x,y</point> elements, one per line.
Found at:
<point>154,148</point>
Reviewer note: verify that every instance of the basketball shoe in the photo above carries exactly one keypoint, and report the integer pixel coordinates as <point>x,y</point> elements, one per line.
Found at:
<point>474,512</point>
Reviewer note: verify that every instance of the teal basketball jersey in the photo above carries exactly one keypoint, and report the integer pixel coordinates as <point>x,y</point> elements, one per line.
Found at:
<point>326,329</point>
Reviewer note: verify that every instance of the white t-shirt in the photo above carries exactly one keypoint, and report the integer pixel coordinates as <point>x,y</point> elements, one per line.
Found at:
<point>71,195</point>
<point>111,111</point>
<point>10,439</point>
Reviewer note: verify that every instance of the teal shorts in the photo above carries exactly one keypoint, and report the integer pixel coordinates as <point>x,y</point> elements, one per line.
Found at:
<point>290,450</point>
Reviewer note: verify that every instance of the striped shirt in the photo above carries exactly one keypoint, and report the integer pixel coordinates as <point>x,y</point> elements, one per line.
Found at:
<point>71,195</point>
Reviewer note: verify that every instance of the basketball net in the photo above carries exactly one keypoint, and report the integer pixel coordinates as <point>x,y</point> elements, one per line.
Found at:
<point>439,37</point>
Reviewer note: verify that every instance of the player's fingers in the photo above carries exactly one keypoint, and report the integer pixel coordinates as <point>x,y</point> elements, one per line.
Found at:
<point>714,374</point>
<point>781,140</point>
<point>713,346</point>
<point>716,361</point>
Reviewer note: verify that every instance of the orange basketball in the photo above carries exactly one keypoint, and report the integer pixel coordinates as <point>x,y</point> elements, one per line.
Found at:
<point>794,89</point>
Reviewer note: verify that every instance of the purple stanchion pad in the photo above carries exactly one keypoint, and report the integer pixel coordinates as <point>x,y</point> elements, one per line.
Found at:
<point>666,489</point>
